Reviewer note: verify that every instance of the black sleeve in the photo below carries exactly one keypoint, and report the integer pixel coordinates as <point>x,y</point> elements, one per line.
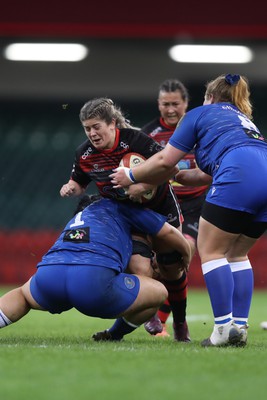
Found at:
<point>146,129</point>
<point>77,174</point>
<point>151,126</point>
<point>144,145</point>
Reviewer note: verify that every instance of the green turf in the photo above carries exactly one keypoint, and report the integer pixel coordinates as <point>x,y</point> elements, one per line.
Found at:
<point>53,357</point>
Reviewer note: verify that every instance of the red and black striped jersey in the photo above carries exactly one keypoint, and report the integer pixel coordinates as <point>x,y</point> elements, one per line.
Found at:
<point>161,133</point>
<point>92,165</point>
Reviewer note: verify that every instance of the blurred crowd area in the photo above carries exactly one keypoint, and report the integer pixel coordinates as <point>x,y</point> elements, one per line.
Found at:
<point>38,143</point>
<point>37,151</point>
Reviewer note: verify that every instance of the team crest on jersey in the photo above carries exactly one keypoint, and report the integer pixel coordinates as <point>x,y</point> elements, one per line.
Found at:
<point>77,235</point>
<point>129,282</point>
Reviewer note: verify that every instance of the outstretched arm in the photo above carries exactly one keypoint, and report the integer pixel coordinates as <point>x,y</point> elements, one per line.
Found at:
<point>193,177</point>
<point>155,170</point>
<point>71,189</point>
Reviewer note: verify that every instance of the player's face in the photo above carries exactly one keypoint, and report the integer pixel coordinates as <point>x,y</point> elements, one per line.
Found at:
<point>172,107</point>
<point>100,134</point>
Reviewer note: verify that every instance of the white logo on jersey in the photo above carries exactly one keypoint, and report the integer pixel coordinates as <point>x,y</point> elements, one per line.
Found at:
<point>153,133</point>
<point>124,145</point>
<point>96,169</point>
<point>87,153</point>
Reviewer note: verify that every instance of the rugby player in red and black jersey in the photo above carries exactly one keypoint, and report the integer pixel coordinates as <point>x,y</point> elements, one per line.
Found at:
<point>173,101</point>
<point>110,137</point>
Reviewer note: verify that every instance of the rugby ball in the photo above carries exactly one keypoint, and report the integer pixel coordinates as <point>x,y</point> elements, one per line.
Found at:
<point>130,160</point>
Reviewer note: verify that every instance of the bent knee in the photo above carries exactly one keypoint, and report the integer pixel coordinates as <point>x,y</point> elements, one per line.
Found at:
<point>162,291</point>
<point>140,265</point>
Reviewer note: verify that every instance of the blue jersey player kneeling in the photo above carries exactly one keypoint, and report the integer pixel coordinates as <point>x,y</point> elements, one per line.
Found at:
<point>85,267</point>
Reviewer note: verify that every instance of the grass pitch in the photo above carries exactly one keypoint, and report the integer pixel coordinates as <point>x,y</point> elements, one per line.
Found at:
<point>53,357</point>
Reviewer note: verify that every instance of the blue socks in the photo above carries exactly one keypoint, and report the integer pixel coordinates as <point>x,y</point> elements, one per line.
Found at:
<point>243,290</point>
<point>230,288</point>
<point>220,284</point>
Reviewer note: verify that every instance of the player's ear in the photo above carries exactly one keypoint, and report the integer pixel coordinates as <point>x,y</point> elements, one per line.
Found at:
<point>211,99</point>
<point>113,122</point>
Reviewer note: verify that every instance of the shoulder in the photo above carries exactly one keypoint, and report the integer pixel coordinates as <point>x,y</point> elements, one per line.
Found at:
<point>199,109</point>
<point>194,114</point>
<point>129,131</point>
<point>132,134</point>
<point>209,108</point>
<point>211,111</point>
<point>83,146</point>
<point>151,126</point>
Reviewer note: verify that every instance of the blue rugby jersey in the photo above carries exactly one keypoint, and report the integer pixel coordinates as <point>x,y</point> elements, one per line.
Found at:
<point>213,130</point>
<point>101,235</point>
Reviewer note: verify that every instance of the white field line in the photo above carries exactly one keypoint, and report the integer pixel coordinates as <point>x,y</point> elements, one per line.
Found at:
<point>196,317</point>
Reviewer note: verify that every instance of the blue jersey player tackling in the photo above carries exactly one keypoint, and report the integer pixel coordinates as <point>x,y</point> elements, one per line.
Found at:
<point>85,268</point>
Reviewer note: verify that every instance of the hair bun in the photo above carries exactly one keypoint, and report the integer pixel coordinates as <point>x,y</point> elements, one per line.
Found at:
<point>232,79</point>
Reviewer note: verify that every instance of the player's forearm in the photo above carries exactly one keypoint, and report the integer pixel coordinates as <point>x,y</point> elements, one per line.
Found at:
<point>193,177</point>
<point>155,170</point>
<point>174,240</point>
<point>71,189</point>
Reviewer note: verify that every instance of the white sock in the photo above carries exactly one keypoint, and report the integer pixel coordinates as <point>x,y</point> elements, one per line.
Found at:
<point>220,334</point>
<point>4,321</point>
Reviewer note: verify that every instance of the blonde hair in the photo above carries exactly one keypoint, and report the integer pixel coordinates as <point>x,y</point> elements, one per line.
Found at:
<point>231,89</point>
<point>104,109</point>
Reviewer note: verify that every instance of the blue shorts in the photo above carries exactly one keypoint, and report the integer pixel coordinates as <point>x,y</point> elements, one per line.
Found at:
<point>240,182</point>
<point>94,291</point>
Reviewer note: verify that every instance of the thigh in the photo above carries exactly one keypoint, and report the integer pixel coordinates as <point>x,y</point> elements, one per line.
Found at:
<point>240,248</point>
<point>152,293</point>
<point>141,265</point>
<point>28,296</point>
<point>142,256</point>
<point>213,243</point>
<point>224,232</point>
<point>233,221</point>
<point>48,288</point>
<point>101,292</point>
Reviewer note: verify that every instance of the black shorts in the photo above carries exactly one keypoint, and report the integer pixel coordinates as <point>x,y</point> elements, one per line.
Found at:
<point>233,221</point>
<point>191,210</point>
<point>170,207</point>
<point>142,248</point>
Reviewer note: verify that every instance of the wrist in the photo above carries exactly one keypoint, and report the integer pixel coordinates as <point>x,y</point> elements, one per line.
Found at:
<point>131,176</point>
